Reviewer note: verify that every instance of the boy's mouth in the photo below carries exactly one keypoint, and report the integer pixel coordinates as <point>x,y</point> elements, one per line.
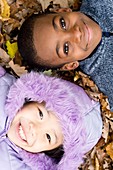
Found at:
<point>87,33</point>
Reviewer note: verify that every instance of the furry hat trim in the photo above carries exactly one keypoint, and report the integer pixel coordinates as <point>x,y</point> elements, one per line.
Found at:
<point>68,101</point>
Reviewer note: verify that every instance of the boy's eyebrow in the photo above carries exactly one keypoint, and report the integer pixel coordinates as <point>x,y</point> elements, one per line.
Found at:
<point>57,50</point>
<point>56,28</point>
<point>54,24</point>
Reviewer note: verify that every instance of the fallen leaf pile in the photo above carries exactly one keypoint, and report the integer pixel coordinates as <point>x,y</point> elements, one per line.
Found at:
<point>12,15</point>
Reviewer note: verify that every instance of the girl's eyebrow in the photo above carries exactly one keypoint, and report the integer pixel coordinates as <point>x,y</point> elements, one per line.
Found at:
<point>56,138</point>
<point>39,110</point>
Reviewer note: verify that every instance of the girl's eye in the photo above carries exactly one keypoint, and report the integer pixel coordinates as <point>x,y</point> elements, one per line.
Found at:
<point>40,114</point>
<point>48,137</point>
<point>63,23</point>
<point>66,48</point>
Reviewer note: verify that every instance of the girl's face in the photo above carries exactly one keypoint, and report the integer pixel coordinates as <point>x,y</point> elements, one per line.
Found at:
<point>35,129</point>
<point>65,37</point>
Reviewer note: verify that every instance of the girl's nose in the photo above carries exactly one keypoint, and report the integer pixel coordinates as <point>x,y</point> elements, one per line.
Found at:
<point>32,131</point>
<point>36,130</point>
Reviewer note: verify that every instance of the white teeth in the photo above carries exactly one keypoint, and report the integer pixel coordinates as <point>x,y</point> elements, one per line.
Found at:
<point>22,135</point>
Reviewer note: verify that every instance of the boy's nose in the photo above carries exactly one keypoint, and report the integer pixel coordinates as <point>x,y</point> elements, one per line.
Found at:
<point>75,34</point>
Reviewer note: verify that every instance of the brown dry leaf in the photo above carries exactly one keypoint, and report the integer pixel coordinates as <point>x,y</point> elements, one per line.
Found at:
<point>46,3</point>
<point>87,82</point>
<point>26,3</point>
<point>22,9</point>
<point>111,123</point>
<point>105,130</point>
<point>100,155</point>
<point>97,163</point>
<point>17,69</point>
<point>74,4</point>
<point>10,1</point>
<point>1,39</point>
<point>109,150</point>
<point>106,166</point>
<point>14,10</point>
<point>4,57</point>
<point>10,25</point>
<point>104,103</point>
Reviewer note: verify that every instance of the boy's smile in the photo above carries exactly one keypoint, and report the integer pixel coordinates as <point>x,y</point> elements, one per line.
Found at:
<point>65,37</point>
<point>35,129</point>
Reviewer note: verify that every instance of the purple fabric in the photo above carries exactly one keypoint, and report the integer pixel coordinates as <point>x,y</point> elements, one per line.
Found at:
<point>69,102</point>
<point>2,71</point>
<point>9,153</point>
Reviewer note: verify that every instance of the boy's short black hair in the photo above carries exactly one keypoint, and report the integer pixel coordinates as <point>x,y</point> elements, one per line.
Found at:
<point>26,45</point>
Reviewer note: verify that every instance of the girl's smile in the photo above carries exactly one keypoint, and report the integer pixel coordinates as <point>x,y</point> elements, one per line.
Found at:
<point>35,129</point>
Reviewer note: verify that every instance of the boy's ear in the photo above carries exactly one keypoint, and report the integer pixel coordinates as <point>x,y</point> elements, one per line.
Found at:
<point>62,10</point>
<point>70,66</point>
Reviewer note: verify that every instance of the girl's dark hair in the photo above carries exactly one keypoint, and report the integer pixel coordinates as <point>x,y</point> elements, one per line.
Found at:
<point>56,153</point>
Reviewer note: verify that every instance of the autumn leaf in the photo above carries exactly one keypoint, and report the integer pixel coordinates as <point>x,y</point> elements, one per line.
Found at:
<point>11,48</point>
<point>76,77</point>
<point>12,15</point>
<point>5,9</point>
<point>4,57</point>
<point>46,3</point>
<point>48,72</point>
<point>96,163</point>
<point>17,69</point>
<point>109,150</point>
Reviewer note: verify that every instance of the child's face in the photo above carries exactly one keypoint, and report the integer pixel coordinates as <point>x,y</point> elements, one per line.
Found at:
<point>66,37</point>
<point>35,129</point>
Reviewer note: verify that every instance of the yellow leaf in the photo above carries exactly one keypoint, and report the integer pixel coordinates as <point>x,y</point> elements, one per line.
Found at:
<point>5,9</point>
<point>11,48</point>
<point>48,72</point>
<point>109,150</point>
<point>76,77</point>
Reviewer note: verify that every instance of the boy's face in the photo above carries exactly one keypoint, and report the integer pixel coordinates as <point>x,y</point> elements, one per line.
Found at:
<point>66,37</point>
<point>35,129</point>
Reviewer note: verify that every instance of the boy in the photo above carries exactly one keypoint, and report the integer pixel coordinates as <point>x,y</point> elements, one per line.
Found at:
<point>67,40</point>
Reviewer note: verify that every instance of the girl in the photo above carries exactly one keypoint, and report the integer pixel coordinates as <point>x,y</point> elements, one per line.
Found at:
<point>44,114</point>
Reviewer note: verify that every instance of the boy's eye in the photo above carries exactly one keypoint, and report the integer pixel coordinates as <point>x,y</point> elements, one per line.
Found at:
<point>63,23</point>
<point>66,48</point>
<point>40,114</point>
<point>48,137</point>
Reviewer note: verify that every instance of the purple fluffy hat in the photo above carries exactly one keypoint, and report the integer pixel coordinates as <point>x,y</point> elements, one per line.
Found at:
<point>68,101</point>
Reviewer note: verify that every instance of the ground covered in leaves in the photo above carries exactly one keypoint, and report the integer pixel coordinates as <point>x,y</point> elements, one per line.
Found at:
<point>12,15</point>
